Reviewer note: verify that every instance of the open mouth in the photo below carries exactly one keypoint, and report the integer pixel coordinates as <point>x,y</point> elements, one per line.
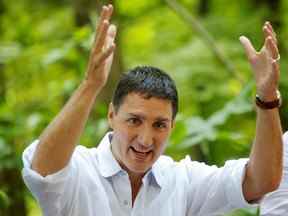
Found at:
<point>140,154</point>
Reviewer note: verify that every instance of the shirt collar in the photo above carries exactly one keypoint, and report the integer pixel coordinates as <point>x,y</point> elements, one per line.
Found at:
<point>156,172</point>
<point>108,165</point>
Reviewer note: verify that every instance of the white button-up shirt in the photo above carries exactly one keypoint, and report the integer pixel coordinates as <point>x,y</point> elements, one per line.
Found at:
<point>94,184</point>
<point>276,203</point>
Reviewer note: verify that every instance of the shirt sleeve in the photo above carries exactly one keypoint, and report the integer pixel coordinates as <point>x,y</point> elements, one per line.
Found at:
<point>215,191</point>
<point>276,203</point>
<point>48,190</point>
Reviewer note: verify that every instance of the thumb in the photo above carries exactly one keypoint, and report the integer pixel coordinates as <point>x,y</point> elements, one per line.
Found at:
<point>249,49</point>
<point>111,34</point>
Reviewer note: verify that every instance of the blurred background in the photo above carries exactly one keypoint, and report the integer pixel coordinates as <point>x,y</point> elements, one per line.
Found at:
<point>44,49</point>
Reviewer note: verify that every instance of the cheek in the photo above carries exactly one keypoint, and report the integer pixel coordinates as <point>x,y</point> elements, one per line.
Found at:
<point>161,142</point>
<point>124,137</point>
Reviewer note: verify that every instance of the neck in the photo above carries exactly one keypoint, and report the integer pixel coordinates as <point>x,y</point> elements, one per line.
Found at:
<point>135,182</point>
<point>135,178</point>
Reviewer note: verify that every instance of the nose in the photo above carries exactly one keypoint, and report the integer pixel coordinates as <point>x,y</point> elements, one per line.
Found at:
<point>145,137</point>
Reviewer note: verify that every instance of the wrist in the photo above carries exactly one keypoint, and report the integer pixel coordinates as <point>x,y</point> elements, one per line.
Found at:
<point>269,101</point>
<point>91,86</point>
<point>268,97</point>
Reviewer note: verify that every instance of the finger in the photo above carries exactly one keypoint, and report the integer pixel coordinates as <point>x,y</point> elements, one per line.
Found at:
<point>271,30</point>
<point>107,13</point>
<point>100,25</point>
<point>275,75</point>
<point>110,39</point>
<point>100,39</point>
<point>268,32</point>
<point>112,31</point>
<point>110,11</point>
<point>268,24</point>
<point>272,47</point>
<point>111,34</point>
<point>104,13</point>
<point>103,56</point>
<point>249,49</point>
<point>107,53</point>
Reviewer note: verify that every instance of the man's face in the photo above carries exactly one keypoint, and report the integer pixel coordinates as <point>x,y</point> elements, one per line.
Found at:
<point>141,128</point>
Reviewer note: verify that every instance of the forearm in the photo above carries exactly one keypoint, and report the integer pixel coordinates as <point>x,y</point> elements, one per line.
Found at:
<point>264,170</point>
<point>58,140</point>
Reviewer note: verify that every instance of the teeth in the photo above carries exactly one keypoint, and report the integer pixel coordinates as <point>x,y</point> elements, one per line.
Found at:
<point>139,151</point>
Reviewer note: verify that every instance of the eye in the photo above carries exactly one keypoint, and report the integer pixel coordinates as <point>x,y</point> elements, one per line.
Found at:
<point>134,121</point>
<point>160,125</point>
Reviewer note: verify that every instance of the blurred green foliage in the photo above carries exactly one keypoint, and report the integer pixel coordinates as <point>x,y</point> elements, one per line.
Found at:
<point>43,57</point>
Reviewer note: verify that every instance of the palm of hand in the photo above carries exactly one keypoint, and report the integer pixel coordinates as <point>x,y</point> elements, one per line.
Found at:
<point>264,63</point>
<point>101,56</point>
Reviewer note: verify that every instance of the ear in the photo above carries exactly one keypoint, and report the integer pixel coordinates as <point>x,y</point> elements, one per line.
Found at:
<point>110,115</point>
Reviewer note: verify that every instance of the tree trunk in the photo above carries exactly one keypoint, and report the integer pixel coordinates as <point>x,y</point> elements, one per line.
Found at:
<point>203,7</point>
<point>274,13</point>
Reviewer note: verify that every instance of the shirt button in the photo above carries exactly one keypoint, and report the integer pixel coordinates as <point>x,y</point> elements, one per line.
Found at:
<point>125,202</point>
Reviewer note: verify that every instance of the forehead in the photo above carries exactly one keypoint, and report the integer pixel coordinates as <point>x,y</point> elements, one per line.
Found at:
<point>153,107</point>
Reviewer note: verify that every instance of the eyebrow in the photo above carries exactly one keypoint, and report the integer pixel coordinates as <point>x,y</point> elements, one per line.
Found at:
<point>143,117</point>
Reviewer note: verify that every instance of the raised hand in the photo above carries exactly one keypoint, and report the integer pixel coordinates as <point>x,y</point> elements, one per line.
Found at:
<point>265,63</point>
<point>101,55</point>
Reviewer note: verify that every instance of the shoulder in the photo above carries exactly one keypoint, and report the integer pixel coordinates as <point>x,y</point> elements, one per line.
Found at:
<point>200,170</point>
<point>185,168</point>
<point>84,157</point>
<point>167,163</point>
<point>85,152</point>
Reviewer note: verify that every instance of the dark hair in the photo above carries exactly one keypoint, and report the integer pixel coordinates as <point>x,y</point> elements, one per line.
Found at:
<point>149,81</point>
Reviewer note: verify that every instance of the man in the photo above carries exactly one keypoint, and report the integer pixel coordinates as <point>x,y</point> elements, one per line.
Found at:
<point>126,174</point>
<point>276,203</point>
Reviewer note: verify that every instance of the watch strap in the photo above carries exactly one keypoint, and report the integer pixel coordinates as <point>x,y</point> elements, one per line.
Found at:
<point>268,104</point>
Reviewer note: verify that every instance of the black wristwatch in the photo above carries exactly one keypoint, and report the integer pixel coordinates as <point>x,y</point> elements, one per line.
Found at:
<point>269,104</point>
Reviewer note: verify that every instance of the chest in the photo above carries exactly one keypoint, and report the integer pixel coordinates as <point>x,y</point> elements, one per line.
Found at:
<point>113,197</point>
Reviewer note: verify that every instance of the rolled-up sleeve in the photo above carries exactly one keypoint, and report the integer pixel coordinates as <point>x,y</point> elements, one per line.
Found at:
<point>235,171</point>
<point>47,190</point>
<point>276,202</point>
<point>215,191</point>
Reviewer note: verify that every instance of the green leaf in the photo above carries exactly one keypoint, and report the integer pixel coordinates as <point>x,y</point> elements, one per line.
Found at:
<point>200,130</point>
<point>4,200</point>
<point>9,51</point>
